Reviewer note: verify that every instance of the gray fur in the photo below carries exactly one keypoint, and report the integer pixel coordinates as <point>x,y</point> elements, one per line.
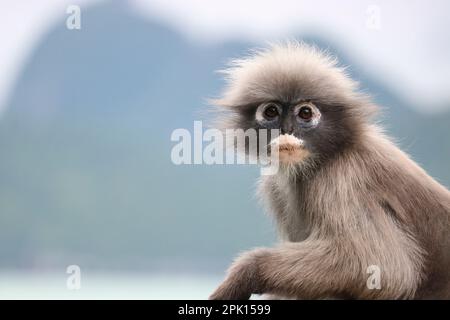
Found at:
<point>356,201</point>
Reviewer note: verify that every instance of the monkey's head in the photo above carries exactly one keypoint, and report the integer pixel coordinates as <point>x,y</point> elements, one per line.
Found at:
<point>301,91</point>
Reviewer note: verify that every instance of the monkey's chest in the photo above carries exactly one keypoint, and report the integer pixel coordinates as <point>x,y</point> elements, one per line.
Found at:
<point>290,215</point>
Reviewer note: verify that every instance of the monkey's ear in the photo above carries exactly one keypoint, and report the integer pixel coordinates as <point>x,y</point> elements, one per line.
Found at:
<point>223,115</point>
<point>223,104</point>
<point>218,102</point>
<point>362,107</point>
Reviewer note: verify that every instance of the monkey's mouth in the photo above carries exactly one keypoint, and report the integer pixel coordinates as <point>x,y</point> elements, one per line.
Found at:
<point>290,148</point>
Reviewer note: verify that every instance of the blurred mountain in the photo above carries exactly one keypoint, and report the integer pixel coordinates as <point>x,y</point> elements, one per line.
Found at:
<point>85,152</point>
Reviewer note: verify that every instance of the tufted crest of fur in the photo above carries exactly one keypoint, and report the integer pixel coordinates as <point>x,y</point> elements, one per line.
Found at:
<point>291,71</point>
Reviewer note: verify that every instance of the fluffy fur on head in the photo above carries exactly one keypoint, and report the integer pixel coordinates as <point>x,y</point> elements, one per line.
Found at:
<point>289,71</point>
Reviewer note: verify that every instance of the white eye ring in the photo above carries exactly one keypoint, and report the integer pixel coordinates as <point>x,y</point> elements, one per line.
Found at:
<point>259,115</point>
<point>316,115</point>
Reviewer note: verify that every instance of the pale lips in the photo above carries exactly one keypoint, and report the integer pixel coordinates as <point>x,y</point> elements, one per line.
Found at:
<point>290,148</point>
<point>287,142</point>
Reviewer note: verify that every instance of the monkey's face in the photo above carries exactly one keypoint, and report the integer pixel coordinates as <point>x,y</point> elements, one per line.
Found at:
<point>293,120</point>
<point>301,92</point>
<point>306,127</point>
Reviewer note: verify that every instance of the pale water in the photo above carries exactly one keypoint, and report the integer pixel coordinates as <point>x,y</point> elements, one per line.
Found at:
<point>15,285</point>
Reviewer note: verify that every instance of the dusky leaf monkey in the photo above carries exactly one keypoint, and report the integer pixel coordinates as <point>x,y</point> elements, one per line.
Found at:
<point>345,197</point>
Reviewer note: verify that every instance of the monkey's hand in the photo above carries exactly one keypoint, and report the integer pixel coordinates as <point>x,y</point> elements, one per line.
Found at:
<point>243,278</point>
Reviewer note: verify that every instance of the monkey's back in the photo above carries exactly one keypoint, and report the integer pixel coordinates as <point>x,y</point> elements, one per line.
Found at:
<point>422,206</point>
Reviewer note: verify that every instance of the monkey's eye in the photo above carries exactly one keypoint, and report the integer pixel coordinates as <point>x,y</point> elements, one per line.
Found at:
<point>305,112</point>
<point>271,112</point>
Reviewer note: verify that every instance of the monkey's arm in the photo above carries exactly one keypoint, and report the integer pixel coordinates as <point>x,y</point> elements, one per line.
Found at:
<point>308,269</point>
<point>318,269</point>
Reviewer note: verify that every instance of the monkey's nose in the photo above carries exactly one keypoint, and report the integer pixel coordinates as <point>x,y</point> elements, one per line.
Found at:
<point>287,130</point>
<point>287,127</point>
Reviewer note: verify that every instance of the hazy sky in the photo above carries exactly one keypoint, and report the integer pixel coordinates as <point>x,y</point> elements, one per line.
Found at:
<point>406,42</point>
